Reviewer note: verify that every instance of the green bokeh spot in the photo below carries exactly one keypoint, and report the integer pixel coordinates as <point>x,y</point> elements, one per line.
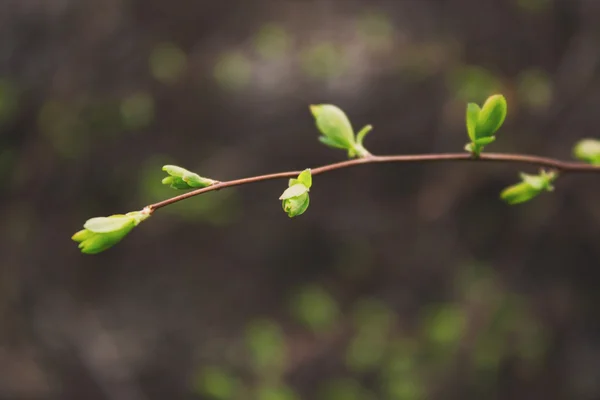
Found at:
<point>167,62</point>
<point>137,110</point>
<point>266,343</point>
<point>315,308</point>
<point>217,384</point>
<point>272,41</point>
<point>323,61</point>
<point>233,71</point>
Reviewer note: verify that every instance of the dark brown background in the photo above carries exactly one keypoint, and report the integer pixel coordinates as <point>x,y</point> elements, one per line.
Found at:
<point>484,301</point>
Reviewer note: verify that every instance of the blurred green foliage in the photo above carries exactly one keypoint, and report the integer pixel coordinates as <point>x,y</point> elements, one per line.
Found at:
<point>272,41</point>
<point>324,60</point>
<point>534,6</point>
<point>473,83</point>
<point>9,100</point>
<point>217,384</point>
<point>375,29</point>
<point>372,324</point>
<point>266,343</point>
<point>344,389</point>
<point>534,88</point>
<point>63,126</point>
<point>167,62</point>
<point>276,392</point>
<point>233,70</point>
<point>315,308</point>
<point>137,110</point>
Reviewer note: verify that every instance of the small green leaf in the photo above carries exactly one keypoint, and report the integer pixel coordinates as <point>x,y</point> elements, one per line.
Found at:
<point>333,123</point>
<point>530,187</point>
<point>295,206</point>
<point>294,191</point>
<point>108,224</point>
<point>519,193</point>
<point>305,178</point>
<point>360,136</point>
<point>473,111</point>
<point>491,117</point>
<point>588,150</point>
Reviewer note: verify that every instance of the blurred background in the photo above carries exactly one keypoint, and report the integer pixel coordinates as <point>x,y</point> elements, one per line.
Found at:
<point>401,282</point>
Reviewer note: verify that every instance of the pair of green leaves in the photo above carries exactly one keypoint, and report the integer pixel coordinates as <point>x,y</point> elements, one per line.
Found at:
<point>529,187</point>
<point>101,233</point>
<point>337,131</point>
<point>484,122</point>
<point>182,179</point>
<point>295,198</point>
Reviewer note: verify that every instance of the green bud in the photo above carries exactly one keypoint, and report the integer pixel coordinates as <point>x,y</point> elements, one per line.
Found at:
<point>101,233</point>
<point>530,187</point>
<point>181,178</point>
<point>295,206</point>
<point>588,150</point>
<point>295,198</point>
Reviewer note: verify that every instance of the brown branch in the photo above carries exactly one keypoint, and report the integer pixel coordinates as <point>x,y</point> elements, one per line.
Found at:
<point>560,166</point>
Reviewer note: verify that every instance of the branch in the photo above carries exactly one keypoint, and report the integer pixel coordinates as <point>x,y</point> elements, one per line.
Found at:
<point>101,233</point>
<point>554,164</point>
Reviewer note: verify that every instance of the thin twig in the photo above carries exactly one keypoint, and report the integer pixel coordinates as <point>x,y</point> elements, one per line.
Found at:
<point>560,166</point>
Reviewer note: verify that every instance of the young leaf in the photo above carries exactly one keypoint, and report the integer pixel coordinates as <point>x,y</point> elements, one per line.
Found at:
<point>519,193</point>
<point>530,187</point>
<point>305,178</point>
<point>334,125</point>
<point>491,117</point>
<point>473,111</point>
<point>294,191</point>
<point>588,150</point>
